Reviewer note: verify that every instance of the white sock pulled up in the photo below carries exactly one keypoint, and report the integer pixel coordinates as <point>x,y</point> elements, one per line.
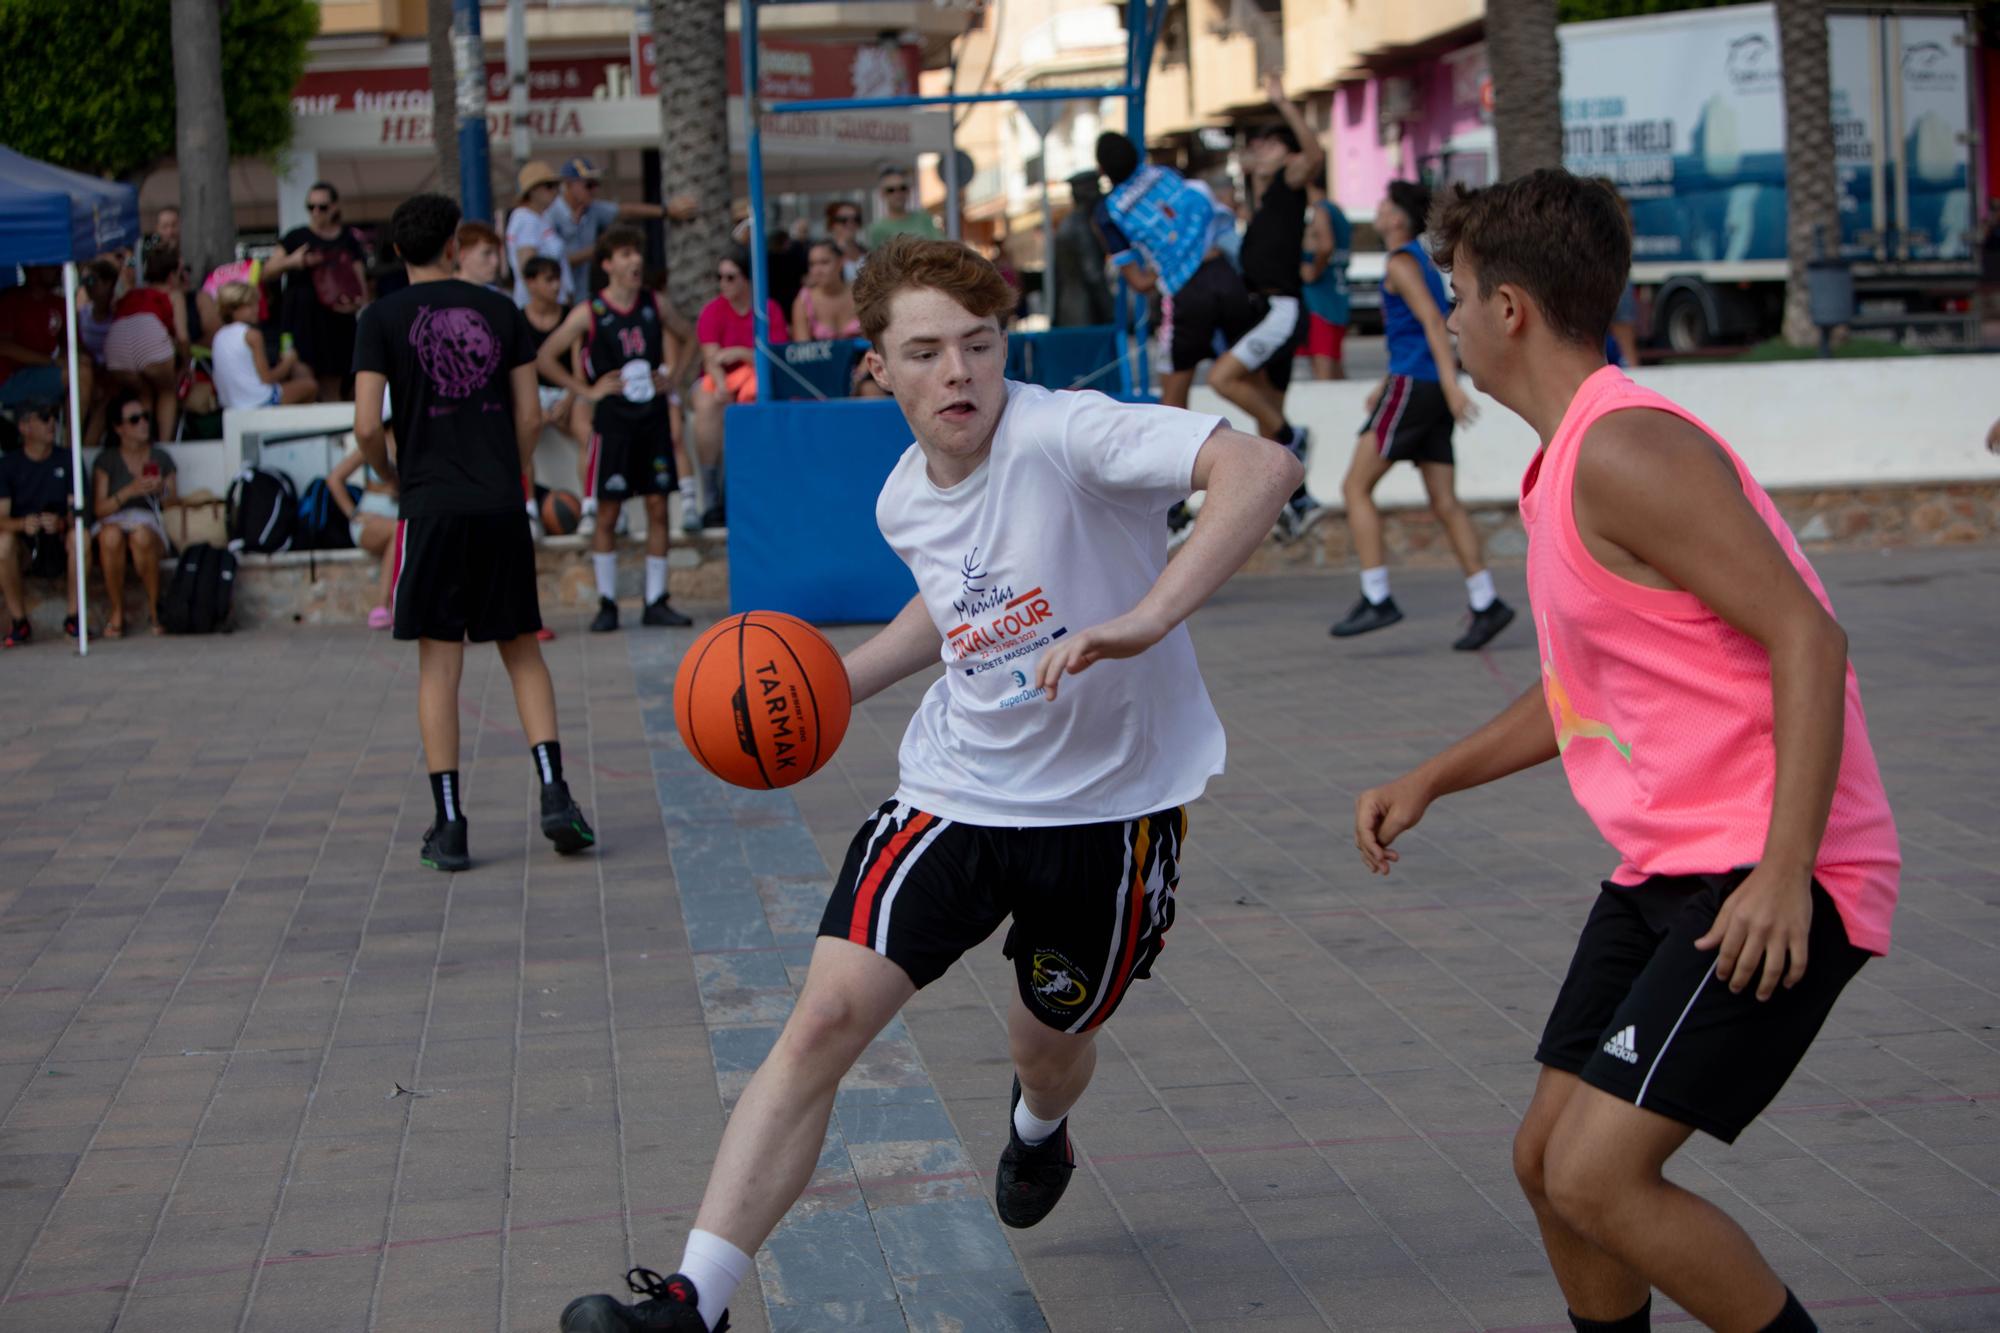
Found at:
<point>1375,584</point>
<point>656,578</point>
<point>606,565</point>
<point>717,1269</point>
<point>1479,590</point>
<point>1030,1128</point>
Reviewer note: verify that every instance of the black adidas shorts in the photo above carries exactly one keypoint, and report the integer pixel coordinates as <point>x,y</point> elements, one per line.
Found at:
<point>1411,421</point>
<point>465,576</point>
<point>1642,1016</point>
<point>631,452</point>
<point>1091,902</point>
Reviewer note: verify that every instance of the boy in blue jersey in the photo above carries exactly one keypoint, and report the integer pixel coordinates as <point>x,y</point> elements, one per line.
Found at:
<point>1410,418</point>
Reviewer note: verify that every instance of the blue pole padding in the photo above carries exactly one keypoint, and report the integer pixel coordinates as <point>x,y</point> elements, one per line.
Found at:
<point>475,171</point>
<point>953,99</point>
<point>753,135</point>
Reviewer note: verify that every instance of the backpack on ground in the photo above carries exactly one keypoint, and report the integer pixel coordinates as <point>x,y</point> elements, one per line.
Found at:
<point>322,523</point>
<point>263,511</point>
<point>202,592</point>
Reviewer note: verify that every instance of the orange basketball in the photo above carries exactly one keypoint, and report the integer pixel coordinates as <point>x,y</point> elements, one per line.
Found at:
<point>761,699</point>
<point>561,512</point>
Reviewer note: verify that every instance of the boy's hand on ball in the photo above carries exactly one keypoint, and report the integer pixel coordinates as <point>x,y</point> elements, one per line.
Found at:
<point>1126,636</point>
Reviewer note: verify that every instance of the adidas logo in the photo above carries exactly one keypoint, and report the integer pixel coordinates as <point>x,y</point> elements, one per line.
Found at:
<point>1624,1045</point>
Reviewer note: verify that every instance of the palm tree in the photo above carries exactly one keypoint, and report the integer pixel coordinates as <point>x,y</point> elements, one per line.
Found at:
<point>444,94</point>
<point>1526,66</point>
<point>689,38</point>
<point>201,136</point>
<point>1812,188</point>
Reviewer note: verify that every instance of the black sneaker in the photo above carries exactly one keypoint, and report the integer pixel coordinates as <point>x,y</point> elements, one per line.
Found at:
<point>562,821</point>
<point>659,613</point>
<point>607,616</point>
<point>21,633</point>
<point>444,846</point>
<point>715,516</point>
<point>1366,616</point>
<point>1485,624</point>
<point>669,1306</point>
<point>1031,1181</point>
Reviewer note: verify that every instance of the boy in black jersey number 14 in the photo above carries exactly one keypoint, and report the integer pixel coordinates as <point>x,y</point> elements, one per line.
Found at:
<point>461,364</point>
<point>622,331</point>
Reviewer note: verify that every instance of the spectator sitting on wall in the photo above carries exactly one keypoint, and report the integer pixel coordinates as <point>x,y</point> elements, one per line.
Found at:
<point>580,214</point>
<point>371,522</point>
<point>149,336</point>
<point>895,188</point>
<point>324,296</point>
<point>728,333</point>
<point>244,374</point>
<point>843,225</point>
<point>479,255</point>
<point>36,533</point>
<point>824,307</point>
<point>33,354</point>
<point>133,482</point>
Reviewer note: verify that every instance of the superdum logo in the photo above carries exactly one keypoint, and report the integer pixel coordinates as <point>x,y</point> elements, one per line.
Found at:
<point>1056,981</point>
<point>1752,64</point>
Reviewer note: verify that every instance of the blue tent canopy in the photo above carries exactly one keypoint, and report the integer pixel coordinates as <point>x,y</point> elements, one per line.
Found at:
<point>52,216</point>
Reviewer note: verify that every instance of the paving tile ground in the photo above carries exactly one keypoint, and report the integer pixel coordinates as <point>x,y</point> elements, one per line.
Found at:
<point>260,1071</point>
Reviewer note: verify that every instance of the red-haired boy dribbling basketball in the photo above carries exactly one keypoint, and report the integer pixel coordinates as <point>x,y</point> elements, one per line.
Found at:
<point>1032,521</point>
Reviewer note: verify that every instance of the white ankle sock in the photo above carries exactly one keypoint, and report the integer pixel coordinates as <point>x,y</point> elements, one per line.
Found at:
<point>716,1268</point>
<point>656,578</point>
<point>606,564</point>
<point>1375,583</point>
<point>1030,1128</point>
<point>1479,589</point>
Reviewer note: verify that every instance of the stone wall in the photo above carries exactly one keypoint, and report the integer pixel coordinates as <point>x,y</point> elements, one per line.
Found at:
<point>338,587</point>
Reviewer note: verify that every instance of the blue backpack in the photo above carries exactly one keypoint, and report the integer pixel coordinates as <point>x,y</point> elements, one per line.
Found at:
<point>322,524</point>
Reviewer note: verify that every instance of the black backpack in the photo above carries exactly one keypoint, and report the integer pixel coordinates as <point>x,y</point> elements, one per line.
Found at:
<point>263,511</point>
<point>201,593</point>
<point>322,525</point>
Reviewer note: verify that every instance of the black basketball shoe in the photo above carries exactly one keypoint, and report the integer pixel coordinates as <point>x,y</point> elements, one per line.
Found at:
<point>1485,624</point>
<point>658,613</point>
<point>1367,616</point>
<point>562,821</point>
<point>1031,1181</point>
<point>668,1307</point>
<point>607,616</point>
<point>444,845</point>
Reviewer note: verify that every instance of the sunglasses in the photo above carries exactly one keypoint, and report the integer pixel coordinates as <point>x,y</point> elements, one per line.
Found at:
<point>592,185</point>
<point>848,220</point>
<point>895,189</point>
<point>319,208</point>
<point>132,419</point>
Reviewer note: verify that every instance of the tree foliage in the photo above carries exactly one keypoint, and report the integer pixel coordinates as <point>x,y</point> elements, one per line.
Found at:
<point>90,86</point>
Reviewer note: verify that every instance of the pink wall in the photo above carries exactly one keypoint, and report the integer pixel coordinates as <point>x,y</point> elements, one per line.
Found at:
<point>1446,100</point>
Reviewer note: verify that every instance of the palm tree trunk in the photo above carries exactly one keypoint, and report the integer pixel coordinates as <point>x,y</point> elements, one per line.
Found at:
<point>1526,65</point>
<point>201,136</point>
<point>444,94</point>
<point>689,38</point>
<point>1812,186</point>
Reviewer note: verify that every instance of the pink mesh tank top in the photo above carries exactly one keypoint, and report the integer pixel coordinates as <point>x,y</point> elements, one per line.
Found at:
<point>1663,711</point>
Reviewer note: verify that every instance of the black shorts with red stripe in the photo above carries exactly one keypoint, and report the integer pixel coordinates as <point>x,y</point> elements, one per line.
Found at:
<point>1411,421</point>
<point>1091,903</point>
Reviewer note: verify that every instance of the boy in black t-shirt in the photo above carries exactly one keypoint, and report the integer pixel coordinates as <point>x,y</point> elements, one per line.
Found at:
<point>35,528</point>
<point>461,365</point>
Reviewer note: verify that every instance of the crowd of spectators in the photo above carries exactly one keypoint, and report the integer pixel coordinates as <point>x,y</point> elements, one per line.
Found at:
<point>164,352</point>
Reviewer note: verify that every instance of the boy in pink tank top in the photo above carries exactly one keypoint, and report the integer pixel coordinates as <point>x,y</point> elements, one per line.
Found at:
<point>1695,685</point>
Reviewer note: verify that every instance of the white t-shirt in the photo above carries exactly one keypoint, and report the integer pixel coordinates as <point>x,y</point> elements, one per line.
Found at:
<point>235,369</point>
<point>1062,528</point>
<point>527,229</point>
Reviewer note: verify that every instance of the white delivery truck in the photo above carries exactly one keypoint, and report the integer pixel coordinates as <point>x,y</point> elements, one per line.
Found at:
<point>1685,112</point>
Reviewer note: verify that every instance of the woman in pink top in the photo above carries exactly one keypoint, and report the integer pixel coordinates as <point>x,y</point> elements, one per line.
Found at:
<point>728,334</point>
<point>1696,687</point>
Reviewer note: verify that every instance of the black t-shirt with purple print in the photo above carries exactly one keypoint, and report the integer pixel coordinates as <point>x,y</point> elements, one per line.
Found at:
<point>448,349</point>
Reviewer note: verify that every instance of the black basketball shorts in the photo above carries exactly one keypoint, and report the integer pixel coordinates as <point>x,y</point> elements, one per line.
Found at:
<point>631,453</point>
<point>1643,1016</point>
<point>1212,306</point>
<point>1412,422</point>
<point>465,576</point>
<point>1091,903</point>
